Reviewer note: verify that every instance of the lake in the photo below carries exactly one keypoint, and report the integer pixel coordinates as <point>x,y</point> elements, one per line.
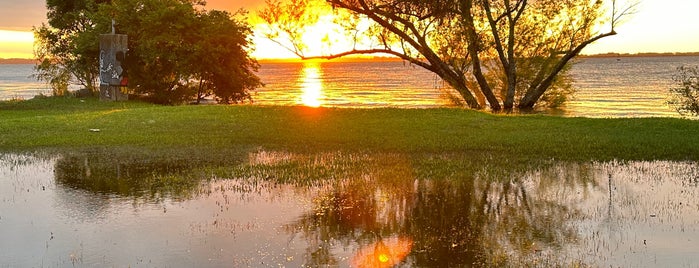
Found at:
<point>270,208</point>
<point>606,87</point>
<point>284,209</point>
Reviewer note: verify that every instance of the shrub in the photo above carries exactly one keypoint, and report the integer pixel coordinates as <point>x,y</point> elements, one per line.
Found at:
<point>685,93</point>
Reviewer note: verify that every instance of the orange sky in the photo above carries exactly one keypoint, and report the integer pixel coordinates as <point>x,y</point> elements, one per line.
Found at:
<point>659,26</point>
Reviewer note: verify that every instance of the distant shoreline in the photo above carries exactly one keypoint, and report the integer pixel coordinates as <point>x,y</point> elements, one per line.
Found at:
<point>382,58</point>
<point>645,54</point>
<point>388,59</point>
<point>17,61</point>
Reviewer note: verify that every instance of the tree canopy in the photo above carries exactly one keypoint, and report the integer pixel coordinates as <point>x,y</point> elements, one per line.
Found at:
<point>178,50</point>
<point>495,53</point>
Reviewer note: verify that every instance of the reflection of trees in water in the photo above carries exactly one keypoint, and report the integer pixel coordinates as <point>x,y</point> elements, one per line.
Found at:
<point>147,177</point>
<point>454,220</point>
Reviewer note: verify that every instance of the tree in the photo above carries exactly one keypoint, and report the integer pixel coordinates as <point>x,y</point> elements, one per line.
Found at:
<point>64,46</point>
<point>494,53</point>
<point>178,51</point>
<point>220,61</point>
<point>685,93</point>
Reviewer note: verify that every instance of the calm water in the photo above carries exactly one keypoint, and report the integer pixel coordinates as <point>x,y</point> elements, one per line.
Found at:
<point>284,209</point>
<point>606,87</point>
<point>625,87</point>
<point>16,82</point>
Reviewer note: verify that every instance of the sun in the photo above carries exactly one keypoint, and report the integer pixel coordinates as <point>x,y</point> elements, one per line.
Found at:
<point>322,36</point>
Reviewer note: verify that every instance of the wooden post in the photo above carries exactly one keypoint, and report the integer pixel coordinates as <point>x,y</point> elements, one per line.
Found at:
<point>113,48</point>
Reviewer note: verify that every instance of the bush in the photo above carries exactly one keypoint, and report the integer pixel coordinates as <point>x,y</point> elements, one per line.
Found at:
<point>685,94</point>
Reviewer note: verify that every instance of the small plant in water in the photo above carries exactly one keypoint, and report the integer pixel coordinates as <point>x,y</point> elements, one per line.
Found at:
<point>685,94</point>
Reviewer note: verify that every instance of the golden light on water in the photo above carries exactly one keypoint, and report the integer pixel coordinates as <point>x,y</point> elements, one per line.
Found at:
<point>311,84</point>
<point>384,253</point>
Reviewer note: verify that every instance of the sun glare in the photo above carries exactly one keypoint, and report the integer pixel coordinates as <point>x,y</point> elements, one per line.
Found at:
<point>311,84</point>
<point>322,38</point>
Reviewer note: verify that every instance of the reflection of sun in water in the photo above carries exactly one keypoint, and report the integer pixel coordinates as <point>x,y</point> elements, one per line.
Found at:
<point>383,254</point>
<point>383,258</point>
<point>311,84</point>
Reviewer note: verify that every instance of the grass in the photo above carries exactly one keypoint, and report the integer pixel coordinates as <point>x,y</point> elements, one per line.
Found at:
<point>212,131</point>
<point>150,152</point>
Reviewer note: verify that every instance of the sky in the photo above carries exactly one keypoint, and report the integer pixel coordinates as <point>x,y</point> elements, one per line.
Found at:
<point>657,26</point>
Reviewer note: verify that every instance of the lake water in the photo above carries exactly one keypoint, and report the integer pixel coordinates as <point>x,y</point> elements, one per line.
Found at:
<point>282,209</point>
<point>16,82</point>
<point>335,209</point>
<point>606,87</point>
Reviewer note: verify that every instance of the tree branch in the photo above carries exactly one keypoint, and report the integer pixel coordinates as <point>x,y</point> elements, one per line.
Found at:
<point>371,51</point>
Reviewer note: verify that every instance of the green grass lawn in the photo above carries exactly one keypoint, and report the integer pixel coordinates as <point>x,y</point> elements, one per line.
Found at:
<point>64,124</point>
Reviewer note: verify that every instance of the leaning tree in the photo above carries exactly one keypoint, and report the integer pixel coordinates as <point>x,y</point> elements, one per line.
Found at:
<point>495,53</point>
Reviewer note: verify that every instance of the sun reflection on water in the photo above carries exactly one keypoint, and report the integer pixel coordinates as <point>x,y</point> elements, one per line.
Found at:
<point>311,84</point>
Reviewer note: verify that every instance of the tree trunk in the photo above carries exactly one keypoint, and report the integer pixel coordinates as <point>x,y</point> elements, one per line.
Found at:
<point>511,86</point>
<point>473,48</point>
<point>459,84</point>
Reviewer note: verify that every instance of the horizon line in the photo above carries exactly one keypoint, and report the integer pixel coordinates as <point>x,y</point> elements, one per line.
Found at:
<point>393,58</point>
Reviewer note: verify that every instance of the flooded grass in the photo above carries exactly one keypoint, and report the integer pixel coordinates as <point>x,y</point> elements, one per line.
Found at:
<point>295,186</point>
<point>282,208</point>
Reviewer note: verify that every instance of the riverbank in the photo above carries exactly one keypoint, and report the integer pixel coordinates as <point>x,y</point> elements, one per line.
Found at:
<point>73,124</point>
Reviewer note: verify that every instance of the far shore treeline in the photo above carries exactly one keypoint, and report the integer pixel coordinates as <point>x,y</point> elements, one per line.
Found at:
<point>262,60</point>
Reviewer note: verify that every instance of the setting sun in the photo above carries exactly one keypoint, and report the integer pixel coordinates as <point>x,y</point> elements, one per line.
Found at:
<point>319,35</point>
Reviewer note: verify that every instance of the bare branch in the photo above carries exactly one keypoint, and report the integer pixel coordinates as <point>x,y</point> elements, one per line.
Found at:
<point>617,16</point>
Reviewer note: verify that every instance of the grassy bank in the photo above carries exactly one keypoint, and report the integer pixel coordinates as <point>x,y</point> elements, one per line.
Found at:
<point>65,124</point>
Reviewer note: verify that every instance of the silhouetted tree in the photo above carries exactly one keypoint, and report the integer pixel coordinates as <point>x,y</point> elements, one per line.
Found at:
<point>476,46</point>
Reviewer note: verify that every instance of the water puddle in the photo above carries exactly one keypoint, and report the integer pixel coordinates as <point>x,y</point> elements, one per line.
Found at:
<point>347,210</point>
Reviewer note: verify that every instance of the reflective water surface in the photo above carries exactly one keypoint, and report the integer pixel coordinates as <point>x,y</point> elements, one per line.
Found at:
<point>363,84</point>
<point>605,87</point>
<point>16,82</point>
<point>275,208</point>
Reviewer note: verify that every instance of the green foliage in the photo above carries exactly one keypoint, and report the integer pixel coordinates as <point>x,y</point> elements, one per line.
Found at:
<point>67,47</point>
<point>178,51</point>
<point>685,93</point>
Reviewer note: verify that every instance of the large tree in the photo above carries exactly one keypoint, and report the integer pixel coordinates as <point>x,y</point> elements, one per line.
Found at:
<point>178,50</point>
<point>64,48</point>
<point>496,53</point>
